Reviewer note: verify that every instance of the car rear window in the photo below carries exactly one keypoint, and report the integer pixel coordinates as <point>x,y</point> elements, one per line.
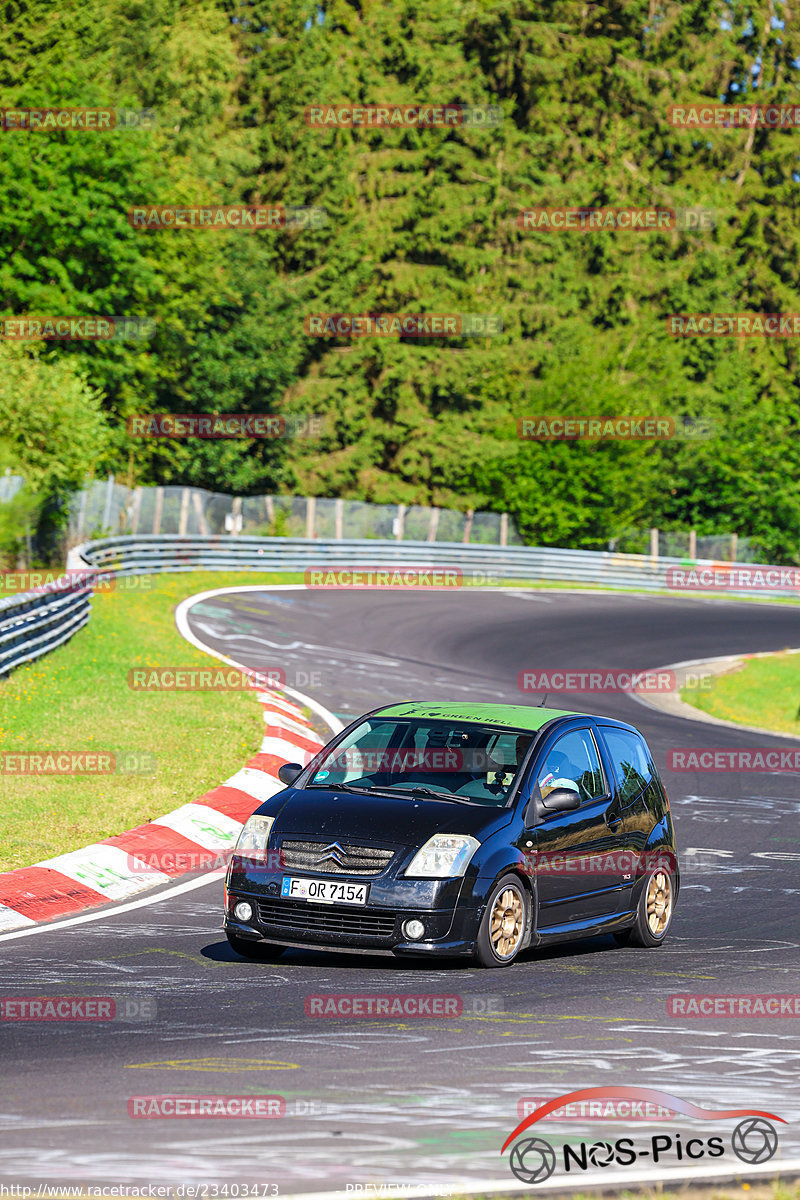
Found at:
<point>631,760</point>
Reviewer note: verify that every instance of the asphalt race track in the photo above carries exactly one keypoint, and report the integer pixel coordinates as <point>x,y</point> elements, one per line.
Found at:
<point>426,1101</point>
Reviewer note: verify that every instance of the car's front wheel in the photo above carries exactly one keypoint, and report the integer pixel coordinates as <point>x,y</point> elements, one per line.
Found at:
<point>654,910</point>
<point>261,951</point>
<point>502,928</point>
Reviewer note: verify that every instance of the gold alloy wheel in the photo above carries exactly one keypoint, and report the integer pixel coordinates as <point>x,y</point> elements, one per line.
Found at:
<point>508,916</point>
<point>659,903</point>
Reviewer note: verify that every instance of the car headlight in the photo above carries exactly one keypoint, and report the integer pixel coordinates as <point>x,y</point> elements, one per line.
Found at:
<point>444,856</point>
<point>253,839</point>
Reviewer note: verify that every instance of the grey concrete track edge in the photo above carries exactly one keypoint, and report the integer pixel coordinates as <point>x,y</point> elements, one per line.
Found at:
<point>671,702</point>
<point>600,1181</point>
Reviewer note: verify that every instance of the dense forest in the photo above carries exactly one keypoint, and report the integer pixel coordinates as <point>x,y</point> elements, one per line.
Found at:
<point>417,220</point>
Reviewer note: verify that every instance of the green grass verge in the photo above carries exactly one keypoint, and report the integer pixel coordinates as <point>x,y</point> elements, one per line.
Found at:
<point>777,1190</point>
<point>78,698</point>
<point>765,692</point>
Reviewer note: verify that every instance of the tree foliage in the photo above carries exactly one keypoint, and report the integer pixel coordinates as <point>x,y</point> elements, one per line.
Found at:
<point>426,221</point>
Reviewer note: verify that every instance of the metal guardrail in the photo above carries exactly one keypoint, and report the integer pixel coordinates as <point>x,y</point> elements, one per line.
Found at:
<point>138,555</point>
<point>33,623</point>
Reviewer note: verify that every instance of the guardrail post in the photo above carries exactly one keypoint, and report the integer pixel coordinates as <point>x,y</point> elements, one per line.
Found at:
<point>399,520</point>
<point>734,546</point>
<point>654,543</point>
<point>468,524</point>
<point>338,519</point>
<point>311,507</point>
<point>197,501</point>
<point>503,529</point>
<point>82,513</point>
<point>434,525</point>
<point>184,516</point>
<point>692,543</point>
<point>135,510</point>
<point>109,498</point>
<point>158,507</point>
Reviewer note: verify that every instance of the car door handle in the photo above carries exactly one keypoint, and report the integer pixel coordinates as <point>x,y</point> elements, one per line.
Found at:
<point>613,822</point>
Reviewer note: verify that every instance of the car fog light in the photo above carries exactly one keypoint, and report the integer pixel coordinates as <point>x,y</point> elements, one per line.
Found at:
<point>414,930</point>
<point>243,911</point>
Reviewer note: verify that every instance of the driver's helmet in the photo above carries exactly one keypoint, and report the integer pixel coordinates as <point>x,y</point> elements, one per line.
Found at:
<point>558,772</point>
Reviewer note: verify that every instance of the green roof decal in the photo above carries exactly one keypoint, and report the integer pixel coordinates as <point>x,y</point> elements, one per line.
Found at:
<point>512,716</point>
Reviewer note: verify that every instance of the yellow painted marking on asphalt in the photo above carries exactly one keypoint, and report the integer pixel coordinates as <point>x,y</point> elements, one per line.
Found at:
<point>218,1064</point>
<point>197,958</point>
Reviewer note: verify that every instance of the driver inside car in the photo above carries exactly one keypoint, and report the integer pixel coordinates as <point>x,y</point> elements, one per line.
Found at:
<point>558,772</point>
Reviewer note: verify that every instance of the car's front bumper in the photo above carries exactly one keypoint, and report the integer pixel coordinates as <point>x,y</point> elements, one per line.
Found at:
<point>377,928</point>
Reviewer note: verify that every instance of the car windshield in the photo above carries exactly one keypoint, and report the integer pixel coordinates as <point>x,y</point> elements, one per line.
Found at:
<point>426,758</point>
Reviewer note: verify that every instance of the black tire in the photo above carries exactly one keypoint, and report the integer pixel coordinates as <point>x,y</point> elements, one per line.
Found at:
<point>622,937</point>
<point>260,951</point>
<point>503,925</point>
<point>655,908</point>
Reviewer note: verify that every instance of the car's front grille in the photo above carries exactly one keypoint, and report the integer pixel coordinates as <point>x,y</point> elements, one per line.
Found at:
<point>291,915</point>
<point>345,858</point>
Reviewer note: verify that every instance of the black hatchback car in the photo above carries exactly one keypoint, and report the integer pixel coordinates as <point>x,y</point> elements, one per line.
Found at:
<point>459,829</point>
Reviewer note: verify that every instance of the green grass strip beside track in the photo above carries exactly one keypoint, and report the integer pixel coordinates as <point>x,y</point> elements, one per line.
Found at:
<point>78,698</point>
<point>764,692</point>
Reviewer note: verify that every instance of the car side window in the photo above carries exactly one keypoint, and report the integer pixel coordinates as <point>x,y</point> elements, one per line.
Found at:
<point>572,762</point>
<point>631,761</point>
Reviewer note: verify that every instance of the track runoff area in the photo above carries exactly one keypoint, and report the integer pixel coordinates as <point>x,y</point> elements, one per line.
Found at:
<point>217,1073</point>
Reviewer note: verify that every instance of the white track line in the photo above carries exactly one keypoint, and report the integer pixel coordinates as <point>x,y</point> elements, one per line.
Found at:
<point>330,720</point>
<point>118,908</point>
<point>181,620</point>
<point>560,1183</point>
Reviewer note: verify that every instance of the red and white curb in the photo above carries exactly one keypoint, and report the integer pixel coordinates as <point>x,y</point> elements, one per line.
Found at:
<point>191,837</point>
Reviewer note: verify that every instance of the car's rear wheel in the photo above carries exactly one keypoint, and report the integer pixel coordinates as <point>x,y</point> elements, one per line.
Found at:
<point>503,925</point>
<point>260,951</point>
<point>654,910</point>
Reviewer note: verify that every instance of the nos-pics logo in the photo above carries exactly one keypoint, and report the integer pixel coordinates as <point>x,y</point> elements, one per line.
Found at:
<point>532,1159</point>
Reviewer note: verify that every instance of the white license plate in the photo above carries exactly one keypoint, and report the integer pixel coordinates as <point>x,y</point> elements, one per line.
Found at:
<point>324,891</point>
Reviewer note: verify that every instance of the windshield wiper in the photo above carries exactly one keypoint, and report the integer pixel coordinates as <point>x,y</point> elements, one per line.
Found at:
<point>350,787</point>
<point>426,791</point>
<point>338,787</point>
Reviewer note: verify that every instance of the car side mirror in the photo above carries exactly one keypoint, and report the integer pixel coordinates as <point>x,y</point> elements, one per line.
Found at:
<point>561,800</point>
<point>288,772</point>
